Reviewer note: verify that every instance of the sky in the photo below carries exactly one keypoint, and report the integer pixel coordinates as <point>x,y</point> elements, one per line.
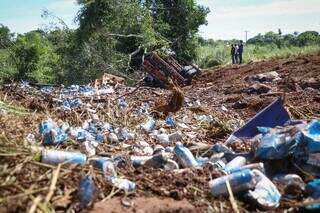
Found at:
<point>228,19</point>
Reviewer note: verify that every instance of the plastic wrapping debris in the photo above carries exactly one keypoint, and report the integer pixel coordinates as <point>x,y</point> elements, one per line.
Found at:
<point>235,164</point>
<point>313,189</point>
<point>312,136</point>
<point>87,191</point>
<point>184,156</point>
<point>149,125</point>
<point>265,192</point>
<point>273,115</point>
<point>57,156</point>
<point>275,146</point>
<point>239,181</point>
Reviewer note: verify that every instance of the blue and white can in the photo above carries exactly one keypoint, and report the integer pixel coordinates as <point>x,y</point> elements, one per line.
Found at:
<point>239,181</point>
<point>184,156</point>
<point>56,156</point>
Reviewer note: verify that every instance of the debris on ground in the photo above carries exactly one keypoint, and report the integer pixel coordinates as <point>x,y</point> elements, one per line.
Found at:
<point>219,145</point>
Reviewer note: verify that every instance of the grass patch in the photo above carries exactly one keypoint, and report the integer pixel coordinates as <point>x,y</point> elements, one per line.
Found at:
<point>219,54</point>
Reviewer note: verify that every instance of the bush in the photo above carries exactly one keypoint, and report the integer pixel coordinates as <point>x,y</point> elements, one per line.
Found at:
<point>34,58</point>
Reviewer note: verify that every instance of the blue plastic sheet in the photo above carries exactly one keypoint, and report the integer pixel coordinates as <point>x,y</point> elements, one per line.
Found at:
<point>273,115</point>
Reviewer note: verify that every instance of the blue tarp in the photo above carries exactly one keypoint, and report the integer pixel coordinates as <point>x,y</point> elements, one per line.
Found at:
<point>271,116</point>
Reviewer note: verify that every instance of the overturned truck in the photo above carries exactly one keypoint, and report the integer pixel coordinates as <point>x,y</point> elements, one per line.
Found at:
<point>160,69</point>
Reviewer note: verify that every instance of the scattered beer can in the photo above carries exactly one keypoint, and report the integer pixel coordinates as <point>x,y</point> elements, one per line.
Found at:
<point>184,156</point>
<point>56,156</point>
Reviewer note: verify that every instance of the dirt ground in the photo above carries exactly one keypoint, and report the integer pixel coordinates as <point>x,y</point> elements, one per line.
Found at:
<point>225,93</point>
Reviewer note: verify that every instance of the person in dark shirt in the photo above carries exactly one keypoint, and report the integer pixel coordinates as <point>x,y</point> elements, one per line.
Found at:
<point>236,55</point>
<point>233,54</point>
<point>240,51</point>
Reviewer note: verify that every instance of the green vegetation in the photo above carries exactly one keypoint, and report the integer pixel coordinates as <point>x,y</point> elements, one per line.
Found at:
<point>113,36</point>
<point>271,45</point>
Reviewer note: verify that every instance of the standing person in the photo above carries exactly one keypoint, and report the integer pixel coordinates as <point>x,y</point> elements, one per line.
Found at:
<point>236,55</point>
<point>240,51</point>
<point>233,54</point>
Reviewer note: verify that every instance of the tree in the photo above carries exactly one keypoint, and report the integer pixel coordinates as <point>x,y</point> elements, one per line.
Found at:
<point>5,37</point>
<point>178,21</point>
<point>34,58</point>
<point>111,31</point>
<point>308,38</point>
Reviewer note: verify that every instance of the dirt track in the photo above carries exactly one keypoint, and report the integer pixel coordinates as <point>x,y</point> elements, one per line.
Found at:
<point>221,92</point>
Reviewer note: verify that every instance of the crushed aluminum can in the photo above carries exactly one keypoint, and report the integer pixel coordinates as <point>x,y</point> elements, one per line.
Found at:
<point>170,121</point>
<point>113,138</point>
<point>87,191</point>
<point>109,169</point>
<point>239,181</point>
<point>30,139</point>
<point>258,166</point>
<point>158,149</point>
<point>184,156</point>
<point>149,125</point>
<point>202,161</point>
<point>55,157</point>
<point>265,192</point>
<point>97,162</point>
<point>122,103</point>
<point>176,136</point>
<point>46,126</point>
<point>138,161</point>
<point>171,165</point>
<point>157,161</point>
<point>169,149</point>
<point>235,164</point>
<point>163,138</point>
<point>123,184</point>
<point>147,150</point>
